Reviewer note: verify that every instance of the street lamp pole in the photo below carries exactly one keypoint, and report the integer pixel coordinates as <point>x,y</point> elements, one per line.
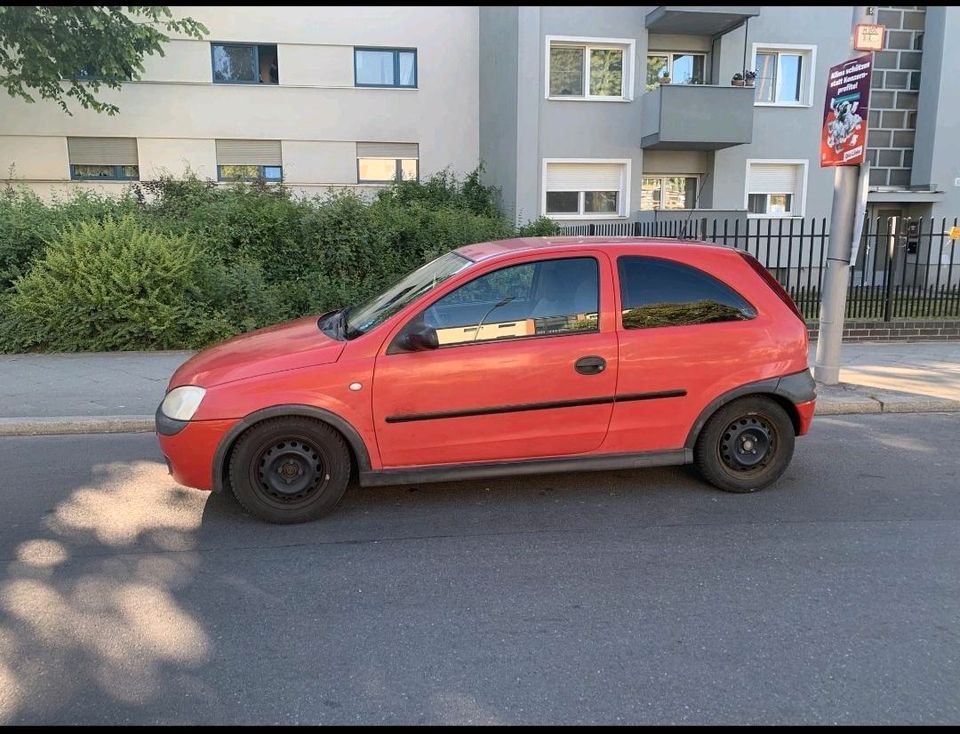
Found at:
<point>837,276</point>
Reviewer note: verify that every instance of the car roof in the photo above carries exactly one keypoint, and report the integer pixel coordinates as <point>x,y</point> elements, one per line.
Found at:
<point>496,248</point>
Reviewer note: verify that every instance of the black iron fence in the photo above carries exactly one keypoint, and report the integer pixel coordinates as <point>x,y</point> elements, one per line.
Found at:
<point>905,268</point>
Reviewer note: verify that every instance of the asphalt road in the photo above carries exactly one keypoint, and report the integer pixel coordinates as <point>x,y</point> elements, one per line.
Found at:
<point>832,597</point>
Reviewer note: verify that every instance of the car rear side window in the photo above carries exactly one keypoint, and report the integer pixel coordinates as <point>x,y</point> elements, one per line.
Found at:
<point>657,292</point>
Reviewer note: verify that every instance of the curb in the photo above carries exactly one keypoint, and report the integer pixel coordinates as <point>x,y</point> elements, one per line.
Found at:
<point>876,406</point>
<point>845,400</point>
<point>76,424</point>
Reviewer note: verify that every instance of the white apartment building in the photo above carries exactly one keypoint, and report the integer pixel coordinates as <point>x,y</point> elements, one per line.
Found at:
<point>316,96</point>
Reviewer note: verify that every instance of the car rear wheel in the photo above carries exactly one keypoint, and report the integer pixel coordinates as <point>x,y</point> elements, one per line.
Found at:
<point>746,445</point>
<point>289,470</point>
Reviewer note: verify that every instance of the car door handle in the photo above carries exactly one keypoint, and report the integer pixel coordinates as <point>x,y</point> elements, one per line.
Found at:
<point>590,365</point>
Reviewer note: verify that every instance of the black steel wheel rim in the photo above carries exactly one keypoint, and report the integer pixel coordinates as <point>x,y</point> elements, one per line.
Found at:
<point>748,444</point>
<point>290,471</point>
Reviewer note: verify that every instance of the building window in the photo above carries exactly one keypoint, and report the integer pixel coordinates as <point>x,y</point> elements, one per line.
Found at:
<point>775,188</point>
<point>538,299</point>
<point>245,63</point>
<point>658,292</point>
<point>249,172</point>
<point>589,69</point>
<point>668,192</point>
<point>387,162</point>
<point>681,67</point>
<point>385,67</point>
<point>103,159</point>
<point>784,74</point>
<point>774,204</point>
<point>585,189</point>
<point>249,160</point>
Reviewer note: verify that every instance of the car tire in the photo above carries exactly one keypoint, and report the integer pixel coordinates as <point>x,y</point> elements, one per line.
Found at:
<point>746,445</point>
<point>289,470</point>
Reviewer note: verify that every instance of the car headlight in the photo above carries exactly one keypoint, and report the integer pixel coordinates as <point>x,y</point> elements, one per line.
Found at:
<point>182,402</point>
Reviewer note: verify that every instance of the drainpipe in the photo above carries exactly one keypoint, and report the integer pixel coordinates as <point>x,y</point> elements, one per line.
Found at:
<point>833,307</point>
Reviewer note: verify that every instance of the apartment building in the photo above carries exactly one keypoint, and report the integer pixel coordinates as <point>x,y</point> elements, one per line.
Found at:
<point>579,122</point>
<point>317,97</point>
<point>581,113</point>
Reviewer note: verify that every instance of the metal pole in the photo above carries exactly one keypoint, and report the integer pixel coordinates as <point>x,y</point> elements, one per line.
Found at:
<point>894,227</point>
<point>834,304</point>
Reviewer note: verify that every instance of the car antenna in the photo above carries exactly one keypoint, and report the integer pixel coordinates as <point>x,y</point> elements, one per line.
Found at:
<point>696,203</point>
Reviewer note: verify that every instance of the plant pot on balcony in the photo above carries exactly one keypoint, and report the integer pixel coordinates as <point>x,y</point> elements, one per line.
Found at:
<point>664,80</point>
<point>737,81</point>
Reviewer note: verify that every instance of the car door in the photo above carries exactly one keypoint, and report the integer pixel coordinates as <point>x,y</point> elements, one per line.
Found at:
<point>526,368</point>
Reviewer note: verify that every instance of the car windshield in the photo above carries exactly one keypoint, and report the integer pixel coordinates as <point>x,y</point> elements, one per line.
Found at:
<point>378,309</point>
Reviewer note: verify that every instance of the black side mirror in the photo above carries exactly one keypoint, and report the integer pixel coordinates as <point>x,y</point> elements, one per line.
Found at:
<point>418,337</point>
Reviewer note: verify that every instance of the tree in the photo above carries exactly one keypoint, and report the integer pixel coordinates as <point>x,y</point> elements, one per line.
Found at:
<point>73,51</point>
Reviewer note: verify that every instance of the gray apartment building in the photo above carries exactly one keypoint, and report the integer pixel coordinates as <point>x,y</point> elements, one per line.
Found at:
<point>623,113</point>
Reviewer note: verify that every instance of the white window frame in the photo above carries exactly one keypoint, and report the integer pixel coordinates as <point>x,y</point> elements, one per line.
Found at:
<point>623,200</point>
<point>805,167</point>
<point>662,176</point>
<point>670,55</point>
<point>807,72</point>
<point>627,45</point>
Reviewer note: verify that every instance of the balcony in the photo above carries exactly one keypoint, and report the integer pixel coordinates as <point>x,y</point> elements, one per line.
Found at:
<point>699,20</point>
<point>696,117</point>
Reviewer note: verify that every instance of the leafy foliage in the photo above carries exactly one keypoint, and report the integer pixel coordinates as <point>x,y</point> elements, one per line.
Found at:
<point>63,51</point>
<point>204,262</point>
<point>107,285</point>
<point>27,224</point>
<point>679,314</point>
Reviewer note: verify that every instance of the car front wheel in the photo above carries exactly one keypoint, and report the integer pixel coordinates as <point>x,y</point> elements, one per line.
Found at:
<point>746,445</point>
<point>289,470</point>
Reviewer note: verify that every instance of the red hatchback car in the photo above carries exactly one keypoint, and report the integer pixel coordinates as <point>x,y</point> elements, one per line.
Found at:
<point>504,358</point>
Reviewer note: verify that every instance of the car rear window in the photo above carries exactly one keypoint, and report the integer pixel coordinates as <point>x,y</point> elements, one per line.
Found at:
<point>659,292</point>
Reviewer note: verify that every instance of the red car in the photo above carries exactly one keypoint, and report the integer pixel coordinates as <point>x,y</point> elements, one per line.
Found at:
<point>504,358</point>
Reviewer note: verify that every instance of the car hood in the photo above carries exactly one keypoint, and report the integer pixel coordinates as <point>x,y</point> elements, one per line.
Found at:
<point>286,346</point>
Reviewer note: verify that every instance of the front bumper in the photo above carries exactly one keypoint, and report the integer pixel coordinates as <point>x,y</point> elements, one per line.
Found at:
<point>189,452</point>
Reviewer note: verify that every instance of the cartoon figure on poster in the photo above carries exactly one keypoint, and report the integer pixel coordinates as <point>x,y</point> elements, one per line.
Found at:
<point>845,124</point>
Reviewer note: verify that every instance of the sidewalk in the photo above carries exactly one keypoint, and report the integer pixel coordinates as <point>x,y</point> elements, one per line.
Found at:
<point>114,392</point>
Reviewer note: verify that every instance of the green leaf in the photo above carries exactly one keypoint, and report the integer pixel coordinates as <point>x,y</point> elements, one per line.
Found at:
<point>62,52</point>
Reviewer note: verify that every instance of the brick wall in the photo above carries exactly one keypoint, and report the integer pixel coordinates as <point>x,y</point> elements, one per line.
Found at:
<point>893,95</point>
<point>894,331</point>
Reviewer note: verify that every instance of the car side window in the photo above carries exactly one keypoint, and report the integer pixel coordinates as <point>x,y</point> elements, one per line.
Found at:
<point>657,292</point>
<point>544,298</point>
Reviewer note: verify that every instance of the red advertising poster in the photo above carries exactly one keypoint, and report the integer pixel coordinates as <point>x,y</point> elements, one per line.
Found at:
<point>843,139</point>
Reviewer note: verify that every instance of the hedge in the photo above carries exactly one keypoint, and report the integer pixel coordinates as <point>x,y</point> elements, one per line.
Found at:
<point>185,263</point>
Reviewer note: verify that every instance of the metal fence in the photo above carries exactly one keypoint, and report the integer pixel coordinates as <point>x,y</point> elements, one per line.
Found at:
<point>905,268</point>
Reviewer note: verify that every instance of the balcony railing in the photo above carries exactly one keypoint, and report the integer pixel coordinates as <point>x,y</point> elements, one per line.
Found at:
<point>696,117</point>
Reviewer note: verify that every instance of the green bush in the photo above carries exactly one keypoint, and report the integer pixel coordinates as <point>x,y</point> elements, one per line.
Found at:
<point>27,224</point>
<point>182,263</point>
<point>111,285</point>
